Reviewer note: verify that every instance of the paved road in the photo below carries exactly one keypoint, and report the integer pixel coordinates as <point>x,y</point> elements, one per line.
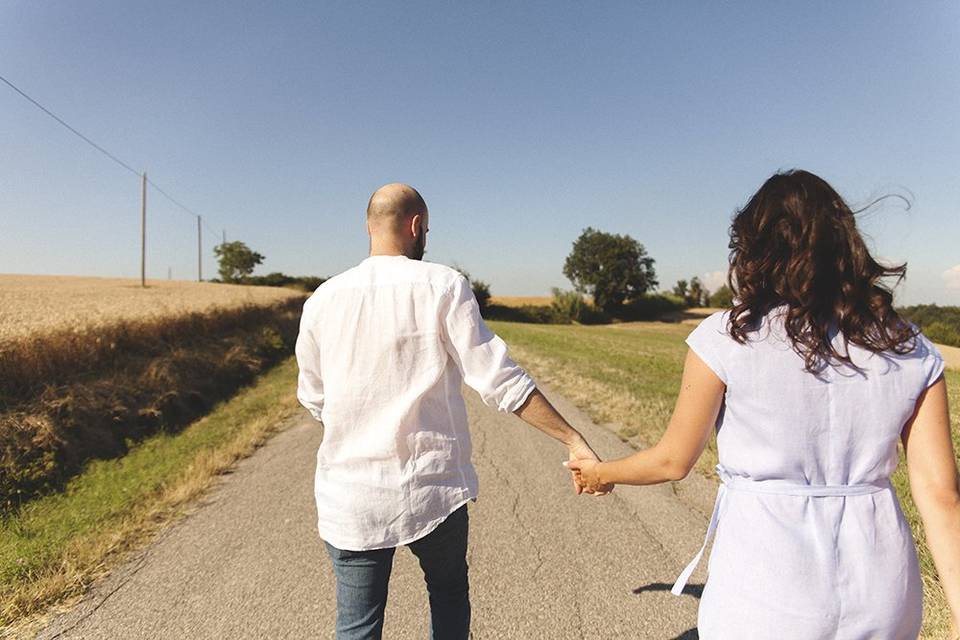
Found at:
<point>247,562</point>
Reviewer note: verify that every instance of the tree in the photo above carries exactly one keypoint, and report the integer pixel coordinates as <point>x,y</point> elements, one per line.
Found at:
<point>481,290</point>
<point>680,289</point>
<point>611,268</point>
<point>697,295</point>
<point>237,260</point>
<point>722,297</point>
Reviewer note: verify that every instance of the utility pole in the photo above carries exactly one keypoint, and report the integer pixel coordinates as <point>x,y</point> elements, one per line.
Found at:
<point>143,230</point>
<point>199,251</point>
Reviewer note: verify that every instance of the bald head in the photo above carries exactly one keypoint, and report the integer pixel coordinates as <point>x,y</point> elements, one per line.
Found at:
<point>397,221</point>
<point>395,203</point>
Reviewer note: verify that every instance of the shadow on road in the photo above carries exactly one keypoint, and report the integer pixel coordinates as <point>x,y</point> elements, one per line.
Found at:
<point>689,634</point>
<point>695,590</point>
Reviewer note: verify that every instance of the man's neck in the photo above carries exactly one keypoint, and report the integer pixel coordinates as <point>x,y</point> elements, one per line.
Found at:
<point>390,250</point>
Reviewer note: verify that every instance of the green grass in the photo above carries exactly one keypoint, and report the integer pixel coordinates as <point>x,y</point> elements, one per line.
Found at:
<point>57,544</point>
<point>629,376</point>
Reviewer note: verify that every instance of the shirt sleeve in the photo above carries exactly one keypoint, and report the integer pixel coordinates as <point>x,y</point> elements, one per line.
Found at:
<point>706,341</point>
<point>309,380</point>
<point>932,362</point>
<point>480,355</point>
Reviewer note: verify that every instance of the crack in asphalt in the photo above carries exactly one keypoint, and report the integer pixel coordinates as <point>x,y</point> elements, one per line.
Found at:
<point>140,564</point>
<point>515,507</point>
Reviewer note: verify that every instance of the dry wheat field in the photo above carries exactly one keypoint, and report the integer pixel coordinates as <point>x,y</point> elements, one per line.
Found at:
<point>31,304</point>
<point>519,301</point>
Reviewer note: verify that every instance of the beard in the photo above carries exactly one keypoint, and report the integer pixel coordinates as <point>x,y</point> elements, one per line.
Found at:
<point>419,247</point>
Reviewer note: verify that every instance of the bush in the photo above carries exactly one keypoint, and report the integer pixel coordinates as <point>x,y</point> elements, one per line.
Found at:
<point>651,307</point>
<point>278,279</point>
<point>940,324</point>
<point>570,306</point>
<point>722,298</point>
<point>481,291</point>
<point>529,313</point>
<point>943,333</point>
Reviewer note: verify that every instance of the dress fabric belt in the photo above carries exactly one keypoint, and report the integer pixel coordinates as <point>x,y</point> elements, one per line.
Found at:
<point>775,487</point>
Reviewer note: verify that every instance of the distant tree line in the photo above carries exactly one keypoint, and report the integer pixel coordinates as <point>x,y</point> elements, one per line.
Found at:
<point>278,279</point>
<point>613,279</point>
<point>940,324</point>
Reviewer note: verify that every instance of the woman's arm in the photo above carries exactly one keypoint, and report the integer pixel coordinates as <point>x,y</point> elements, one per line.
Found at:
<point>694,416</point>
<point>932,468</point>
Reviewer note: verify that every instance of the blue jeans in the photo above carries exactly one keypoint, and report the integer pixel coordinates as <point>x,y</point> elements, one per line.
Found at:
<point>362,578</point>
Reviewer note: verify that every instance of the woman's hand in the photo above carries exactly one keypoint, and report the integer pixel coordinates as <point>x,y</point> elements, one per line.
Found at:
<point>578,449</point>
<point>586,474</point>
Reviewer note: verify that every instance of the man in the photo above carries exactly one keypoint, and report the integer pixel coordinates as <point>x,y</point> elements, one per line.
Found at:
<point>384,349</point>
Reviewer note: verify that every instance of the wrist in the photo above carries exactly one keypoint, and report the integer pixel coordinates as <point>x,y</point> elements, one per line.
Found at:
<point>572,438</point>
<point>601,469</point>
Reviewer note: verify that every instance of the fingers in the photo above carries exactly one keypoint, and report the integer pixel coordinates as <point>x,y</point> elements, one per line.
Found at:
<point>584,480</point>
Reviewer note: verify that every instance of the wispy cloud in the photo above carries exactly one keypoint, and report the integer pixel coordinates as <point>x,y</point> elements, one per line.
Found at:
<point>713,280</point>
<point>951,277</point>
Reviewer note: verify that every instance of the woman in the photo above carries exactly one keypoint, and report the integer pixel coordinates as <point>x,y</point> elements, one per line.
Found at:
<point>810,379</point>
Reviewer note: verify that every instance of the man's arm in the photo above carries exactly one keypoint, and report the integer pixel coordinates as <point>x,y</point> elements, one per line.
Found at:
<point>538,412</point>
<point>309,382</point>
<point>487,368</point>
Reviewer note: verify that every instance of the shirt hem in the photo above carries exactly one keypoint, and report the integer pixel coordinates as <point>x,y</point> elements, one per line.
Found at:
<point>388,544</point>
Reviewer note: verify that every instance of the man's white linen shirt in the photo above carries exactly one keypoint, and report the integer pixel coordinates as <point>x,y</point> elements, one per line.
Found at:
<point>383,351</point>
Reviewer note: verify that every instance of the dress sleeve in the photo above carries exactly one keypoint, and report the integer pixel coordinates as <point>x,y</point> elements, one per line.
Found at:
<point>707,341</point>
<point>932,362</point>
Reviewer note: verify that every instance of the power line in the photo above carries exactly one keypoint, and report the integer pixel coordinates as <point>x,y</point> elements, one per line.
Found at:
<point>74,131</point>
<point>100,149</point>
<point>172,199</point>
<point>213,234</point>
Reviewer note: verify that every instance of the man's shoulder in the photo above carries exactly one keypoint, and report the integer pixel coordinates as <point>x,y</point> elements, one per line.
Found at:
<point>437,276</point>
<point>441,273</point>
<point>331,284</point>
<point>364,275</point>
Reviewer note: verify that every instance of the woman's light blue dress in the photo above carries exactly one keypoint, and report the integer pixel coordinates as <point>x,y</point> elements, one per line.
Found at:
<point>810,542</point>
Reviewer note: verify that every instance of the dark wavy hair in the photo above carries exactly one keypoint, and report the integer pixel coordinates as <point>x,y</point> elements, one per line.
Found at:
<point>796,243</point>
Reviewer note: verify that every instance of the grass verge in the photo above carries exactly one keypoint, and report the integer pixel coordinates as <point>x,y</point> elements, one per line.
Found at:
<point>628,376</point>
<point>56,546</point>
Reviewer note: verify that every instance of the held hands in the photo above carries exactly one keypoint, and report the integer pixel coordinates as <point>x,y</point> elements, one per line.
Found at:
<point>586,476</point>
<point>582,464</point>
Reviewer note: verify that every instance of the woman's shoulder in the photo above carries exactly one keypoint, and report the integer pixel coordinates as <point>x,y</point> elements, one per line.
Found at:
<point>715,325</point>
<point>709,339</point>
<point>927,356</point>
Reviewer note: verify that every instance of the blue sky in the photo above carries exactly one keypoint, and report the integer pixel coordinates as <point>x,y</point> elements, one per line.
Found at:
<point>521,124</point>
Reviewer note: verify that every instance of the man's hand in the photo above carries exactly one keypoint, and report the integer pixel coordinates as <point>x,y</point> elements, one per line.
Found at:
<point>585,476</point>
<point>538,412</point>
<point>580,453</point>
